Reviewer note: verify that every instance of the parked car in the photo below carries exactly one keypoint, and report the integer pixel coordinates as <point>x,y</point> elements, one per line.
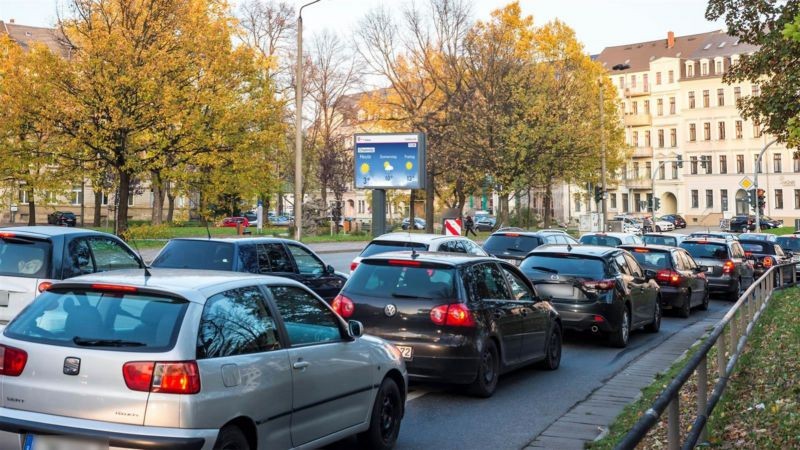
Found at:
<point>714,235</point>
<point>659,225</point>
<point>252,218</point>
<point>676,219</point>
<point>728,269</point>
<point>683,282</point>
<point>62,218</point>
<point>610,239</point>
<point>281,221</point>
<point>485,223</point>
<point>32,258</point>
<point>594,288</point>
<point>515,245</point>
<point>455,318</point>
<point>392,242</point>
<point>265,256</point>
<point>419,224</point>
<point>629,224</point>
<point>672,239</point>
<point>758,237</point>
<point>766,254</point>
<point>742,223</point>
<point>768,222</point>
<point>191,359</point>
<point>235,221</point>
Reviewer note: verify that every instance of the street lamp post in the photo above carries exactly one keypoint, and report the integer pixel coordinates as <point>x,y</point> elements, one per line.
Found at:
<point>755,182</point>
<point>298,140</point>
<point>604,215</point>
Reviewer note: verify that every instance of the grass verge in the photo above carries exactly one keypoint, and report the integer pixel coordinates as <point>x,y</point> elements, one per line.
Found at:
<point>779,231</point>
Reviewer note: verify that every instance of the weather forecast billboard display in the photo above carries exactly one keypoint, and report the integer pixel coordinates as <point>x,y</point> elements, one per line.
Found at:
<point>390,161</point>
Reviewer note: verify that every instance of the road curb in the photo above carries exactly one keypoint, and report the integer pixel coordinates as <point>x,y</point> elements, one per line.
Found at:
<point>589,419</point>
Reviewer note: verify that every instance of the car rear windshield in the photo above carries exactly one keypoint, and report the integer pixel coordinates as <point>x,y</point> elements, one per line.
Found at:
<point>564,264</point>
<point>85,317</point>
<point>398,281</point>
<point>789,243</point>
<point>376,247</point>
<point>511,243</point>
<point>706,250</point>
<point>598,239</point>
<point>196,254</point>
<point>758,247</point>
<point>660,240</point>
<point>26,258</point>
<point>652,259</point>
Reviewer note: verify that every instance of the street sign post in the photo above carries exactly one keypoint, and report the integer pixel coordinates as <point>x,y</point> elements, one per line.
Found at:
<point>746,183</point>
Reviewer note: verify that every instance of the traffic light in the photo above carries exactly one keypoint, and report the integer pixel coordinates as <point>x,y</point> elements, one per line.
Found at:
<point>598,194</point>
<point>761,200</point>
<point>751,199</point>
<point>658,204</point>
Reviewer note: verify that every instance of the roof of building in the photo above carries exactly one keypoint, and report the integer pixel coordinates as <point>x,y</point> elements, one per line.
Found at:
<point>721,44</point>
<point>26,36</point>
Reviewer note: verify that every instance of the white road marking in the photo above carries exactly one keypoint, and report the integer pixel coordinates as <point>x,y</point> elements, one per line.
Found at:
<point>415,394</point>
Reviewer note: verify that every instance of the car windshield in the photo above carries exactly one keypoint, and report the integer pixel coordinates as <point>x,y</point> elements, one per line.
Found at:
<point>26,258</point>
<point>402,282</point>
<point>789,243</point>
<point>376,247</point>
<point>660,240</point>
<point>564,264</point>
<point>600,239</point>
<point>652,259</point>
<point>709,250</point>
<point>196,254</point>
<point>757,247</point>
<point>89,318</point>
<point>511,243</point>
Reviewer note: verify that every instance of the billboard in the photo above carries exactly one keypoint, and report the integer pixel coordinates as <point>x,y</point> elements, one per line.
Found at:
<point>390,161</point>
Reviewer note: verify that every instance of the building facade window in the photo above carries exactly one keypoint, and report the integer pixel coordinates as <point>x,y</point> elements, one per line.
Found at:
<point>645,83</point>
<point>706,99</point>
<point>756,164</point>
<point>672,105</point>
<point>693,165</point>
<point>637,202</point>
<point>703,69</point>
<point>635,107</point>
<point>737,93</point>
<point>104,200</point>
<point>718,67</point>
<point>739,163</point>
<point>691,100</point>
<point>709,198</point>
<point>648,169</point>
<point>738,129</point>
<point>797,199</point>
<point>660,138</point>
<point>647,138</point>
<point>778,198</point>
<point>635,170</point>
<point>692,132</point>
<point>720,97</point>
<point>674,171</point>
<point>660,107</point>
<point>662,173</point>
<point>633,81</point>
<point>756,90</point>
<point>671,76</point>
<point>625,203</point>
<point>613,201</point>
<point>796,163</point>
<point>708,165</point>
<point>721,130</point>
<point>776,163</point>
<point>756,130</point>
<point>723,164</point>
<point>695,199</point>
<point>621,82</point>
<point>635,139</point>
<point>647,106</point>
<point>673,137</point>
<point>707,131</point>
<point>690,70</point>
<point>658,78</point>
<point>723,199</point>
<point>76,195</point>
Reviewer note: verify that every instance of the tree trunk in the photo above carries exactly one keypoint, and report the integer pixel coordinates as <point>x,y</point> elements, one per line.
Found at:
<point>121,219</point>
<point>170,204</point>
<point>157,185</point>
<point>548,197</point>
<point>429,197</point>
<point>323,191</point>
<point>98,208</point>
<point>529,216</point>
<point>503,207</point>
<point>31,208</point>
<point>280,203</point>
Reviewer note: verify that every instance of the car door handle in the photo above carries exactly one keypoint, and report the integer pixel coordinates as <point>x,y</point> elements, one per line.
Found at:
<point>300,365</point>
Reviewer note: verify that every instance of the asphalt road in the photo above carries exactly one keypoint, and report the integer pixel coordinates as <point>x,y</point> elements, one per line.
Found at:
<point>527,400</point>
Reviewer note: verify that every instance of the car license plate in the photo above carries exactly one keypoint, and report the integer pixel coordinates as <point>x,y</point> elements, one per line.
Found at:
<point>406,351</point>
<point>36,442</point>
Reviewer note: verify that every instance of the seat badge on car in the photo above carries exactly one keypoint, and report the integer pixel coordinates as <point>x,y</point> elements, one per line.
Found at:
<point>554,277</point>
<point>390,310</point>
<point>72,365</point>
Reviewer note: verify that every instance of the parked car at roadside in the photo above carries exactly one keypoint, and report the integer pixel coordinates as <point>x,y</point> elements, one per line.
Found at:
<point>742,223</point>
<point>252,218</point>
<point>420,242</point>
<point>264,256</point>
<point>671,239</point>
<point>766,254</point>
<point>610,239</point>
<point>194,360</point>
<point>768,222</point>
<point>455,318</point>
<point>629,224</point>
<point>728,270</point>
<point>676,219</point>
<point>235,221</point>
<point>419,224</point>
<point>659,225</point>
<point>32,258</point>
<point>514,246</point>
<point>62,218</point>
<point>485,223</point>
<point>595,288</point>
<point>683,282</point>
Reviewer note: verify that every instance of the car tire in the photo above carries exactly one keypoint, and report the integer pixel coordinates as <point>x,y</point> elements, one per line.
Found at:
<point>736,292</point>
<point>620,337</point>
<point>704,305</point>
<point>552,353</point>
<point>658,229</point>
<point>686,307</point>
<point>655,325</point>
<point>488,371</point>
<point>231,438</point>
<point>384,424</point>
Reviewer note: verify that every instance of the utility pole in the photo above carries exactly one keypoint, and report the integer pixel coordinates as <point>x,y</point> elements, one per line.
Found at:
<point>603,217</point>
<point>755,182</point>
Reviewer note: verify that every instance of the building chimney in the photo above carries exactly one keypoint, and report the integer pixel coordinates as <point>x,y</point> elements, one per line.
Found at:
<point>670,39</point>
<point>10,20</point>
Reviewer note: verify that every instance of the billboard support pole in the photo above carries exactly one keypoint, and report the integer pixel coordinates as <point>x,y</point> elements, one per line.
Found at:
<point>378,212</point>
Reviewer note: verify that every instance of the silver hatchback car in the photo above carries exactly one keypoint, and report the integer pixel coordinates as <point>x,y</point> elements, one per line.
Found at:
<point>185,359</point>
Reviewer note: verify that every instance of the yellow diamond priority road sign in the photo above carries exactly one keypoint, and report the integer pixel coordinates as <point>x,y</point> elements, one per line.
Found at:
<point>746,183</point>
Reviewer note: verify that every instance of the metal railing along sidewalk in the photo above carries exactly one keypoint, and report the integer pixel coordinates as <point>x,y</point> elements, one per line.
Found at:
<point>729,335</point>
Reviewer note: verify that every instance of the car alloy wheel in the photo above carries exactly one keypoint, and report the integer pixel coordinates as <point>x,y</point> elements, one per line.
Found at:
<point>704,306</point>
<point>553,351</point>
<point>488,370</point>
<point>620,337</point>
<point>655,325</point>
<point>686,306</point>
<point>389,409</point>
<point>387,412</point>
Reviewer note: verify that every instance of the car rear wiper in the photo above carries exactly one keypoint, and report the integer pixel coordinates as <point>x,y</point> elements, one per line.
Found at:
<point>89,342</point>
<point>512,249</point>
<point>543,269</point>
<point>398,295</point>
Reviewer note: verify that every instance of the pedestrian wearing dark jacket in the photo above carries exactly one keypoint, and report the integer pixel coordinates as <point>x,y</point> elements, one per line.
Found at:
<point>469,227</point>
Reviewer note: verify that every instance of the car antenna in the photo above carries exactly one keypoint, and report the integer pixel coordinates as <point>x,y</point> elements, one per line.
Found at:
<point>414,253</point>
<point>147,273</point>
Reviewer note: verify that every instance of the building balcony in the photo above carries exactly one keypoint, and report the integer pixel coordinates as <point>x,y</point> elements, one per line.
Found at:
<point>639,183</point>
<point>637,120</point>
<point>636,91</point>
<point>642,152</point>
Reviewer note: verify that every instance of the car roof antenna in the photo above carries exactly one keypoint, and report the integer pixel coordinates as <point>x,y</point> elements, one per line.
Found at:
<point>414,253</point>
<point>147,273</point>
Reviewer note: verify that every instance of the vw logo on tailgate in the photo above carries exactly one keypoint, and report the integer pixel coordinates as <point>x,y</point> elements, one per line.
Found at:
<point>390,310</point>
<point>72,365</point>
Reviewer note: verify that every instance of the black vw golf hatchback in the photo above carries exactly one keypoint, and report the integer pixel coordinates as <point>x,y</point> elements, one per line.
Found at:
<point>455,318</point>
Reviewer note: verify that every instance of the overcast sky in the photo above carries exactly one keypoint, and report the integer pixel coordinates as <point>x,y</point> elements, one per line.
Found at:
<point>598,23</point>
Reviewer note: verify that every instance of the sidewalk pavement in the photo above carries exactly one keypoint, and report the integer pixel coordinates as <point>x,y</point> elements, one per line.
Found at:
<point>590,419</point>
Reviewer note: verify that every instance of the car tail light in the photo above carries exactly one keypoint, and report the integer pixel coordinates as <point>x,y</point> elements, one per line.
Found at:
<point>45,285</point>
<point>454,315</point>
<point>599,319</point>
<point>343,306</point>
<point>353,266</point>
<point>114,287</point>
<point>600,285</point>
<point>12,361</point>
<point>768,261</point>
<point>180,377</point>
<point>404,263</point>
<point>6,234</point>
<point>748,254</point>
<point>728,267</point>
<point>669,276</point>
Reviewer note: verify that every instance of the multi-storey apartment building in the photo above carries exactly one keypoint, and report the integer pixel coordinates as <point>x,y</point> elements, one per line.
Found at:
<point>674,102</point>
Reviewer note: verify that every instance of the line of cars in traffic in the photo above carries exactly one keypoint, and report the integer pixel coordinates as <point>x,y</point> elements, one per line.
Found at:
<point>185,354</point>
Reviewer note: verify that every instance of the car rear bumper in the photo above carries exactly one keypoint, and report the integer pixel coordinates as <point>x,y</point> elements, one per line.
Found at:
<point>724,283</point>
<point>458,370</point>
<point>15,424</point>
<point>586,316</point>
<point>672,297</point>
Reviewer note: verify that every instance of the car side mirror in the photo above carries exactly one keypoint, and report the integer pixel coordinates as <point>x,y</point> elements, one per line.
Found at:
<point>699,269</point>
<point>649,274</point>
<point>329,269</point>
<point>355,328</point>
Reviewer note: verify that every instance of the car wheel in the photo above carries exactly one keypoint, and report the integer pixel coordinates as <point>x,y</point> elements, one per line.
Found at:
<point>658,229</point>
<point>231,438</point>
<point>387,412</point>
<point>655,325</point>
<point>620,337</point>
<point>737,290</point>
<point>488,370</point>
<point>686,306</point>
<point>704,305</point>
<point>553,352</point>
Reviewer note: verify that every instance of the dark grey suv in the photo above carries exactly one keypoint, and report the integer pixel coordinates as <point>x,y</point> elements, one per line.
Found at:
<point>728,269</point>
<point>515,245</point>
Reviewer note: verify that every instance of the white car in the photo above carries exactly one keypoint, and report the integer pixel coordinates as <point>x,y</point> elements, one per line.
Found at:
<point>392,242</point>
<point>662,225</point>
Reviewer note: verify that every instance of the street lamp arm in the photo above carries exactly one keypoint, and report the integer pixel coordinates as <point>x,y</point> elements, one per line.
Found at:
<point>755,181</point>
<point>300,12</point>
